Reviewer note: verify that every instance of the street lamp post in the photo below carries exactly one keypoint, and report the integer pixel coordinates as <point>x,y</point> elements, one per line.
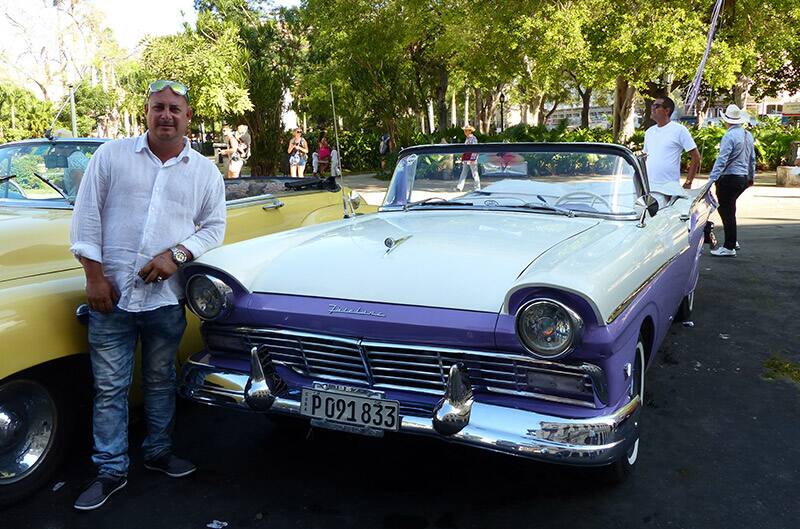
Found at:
<point>502,111</point>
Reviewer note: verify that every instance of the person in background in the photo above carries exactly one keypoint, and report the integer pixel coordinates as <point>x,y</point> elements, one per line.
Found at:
<point>383,149</point>
<point>146,206</point>
<point>77,161</point>
<point>298,154</point>
<point>194,141</point>
<point>469,160</point>
<point>233,160</point>
<point>324,151</point>
<point>733,172</point>
<point>664,144</point>
<point>336,164</point>
<point>245,142</point>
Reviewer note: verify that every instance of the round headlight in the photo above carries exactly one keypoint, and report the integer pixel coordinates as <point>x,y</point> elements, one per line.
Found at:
<point>547,328</point>
<point>207,296</point>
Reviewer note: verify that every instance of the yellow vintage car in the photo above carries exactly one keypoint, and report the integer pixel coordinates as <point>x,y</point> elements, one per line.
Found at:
<point>43,357</point>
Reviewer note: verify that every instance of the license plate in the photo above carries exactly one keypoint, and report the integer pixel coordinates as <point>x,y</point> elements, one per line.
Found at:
<point>343,408</point>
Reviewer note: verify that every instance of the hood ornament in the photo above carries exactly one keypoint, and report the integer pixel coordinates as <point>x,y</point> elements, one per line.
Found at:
<point>391,243</point>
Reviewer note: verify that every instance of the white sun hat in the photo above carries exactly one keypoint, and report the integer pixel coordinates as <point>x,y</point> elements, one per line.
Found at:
<point>735,115</point>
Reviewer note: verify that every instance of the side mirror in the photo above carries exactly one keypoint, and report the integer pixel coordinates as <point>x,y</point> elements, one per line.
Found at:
<point>649,205</point>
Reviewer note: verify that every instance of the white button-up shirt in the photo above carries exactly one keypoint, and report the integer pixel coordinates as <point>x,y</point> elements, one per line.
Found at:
<point>131,207</point>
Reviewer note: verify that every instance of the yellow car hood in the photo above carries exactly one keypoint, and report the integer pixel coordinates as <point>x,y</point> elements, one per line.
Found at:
<point>34,241</point>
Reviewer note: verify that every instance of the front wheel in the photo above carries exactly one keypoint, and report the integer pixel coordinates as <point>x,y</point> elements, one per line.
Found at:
<point>32,438</point>
<point>619,471</point>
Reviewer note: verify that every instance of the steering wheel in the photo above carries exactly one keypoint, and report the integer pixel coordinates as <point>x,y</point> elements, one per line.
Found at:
<point>583,195</point>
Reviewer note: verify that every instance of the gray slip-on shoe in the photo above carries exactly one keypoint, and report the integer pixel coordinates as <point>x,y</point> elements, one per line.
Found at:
<point>98,491</point>
<point>171,465</point>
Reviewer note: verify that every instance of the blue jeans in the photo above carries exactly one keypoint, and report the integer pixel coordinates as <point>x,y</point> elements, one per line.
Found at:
<point>112,346</point>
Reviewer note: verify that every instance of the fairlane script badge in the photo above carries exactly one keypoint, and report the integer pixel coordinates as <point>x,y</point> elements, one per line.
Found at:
<point>357,311</point>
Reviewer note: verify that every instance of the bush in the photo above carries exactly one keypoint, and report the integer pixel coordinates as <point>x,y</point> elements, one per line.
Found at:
<point>360,148</point>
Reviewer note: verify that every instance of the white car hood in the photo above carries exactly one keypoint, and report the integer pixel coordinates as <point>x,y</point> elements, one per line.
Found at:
<point>441,258</point>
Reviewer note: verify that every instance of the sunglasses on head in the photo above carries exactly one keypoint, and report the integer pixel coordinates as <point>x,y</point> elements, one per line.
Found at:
<point>179,88</point>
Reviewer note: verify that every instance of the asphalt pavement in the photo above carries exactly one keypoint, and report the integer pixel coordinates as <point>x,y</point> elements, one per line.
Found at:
<point>719,447</point>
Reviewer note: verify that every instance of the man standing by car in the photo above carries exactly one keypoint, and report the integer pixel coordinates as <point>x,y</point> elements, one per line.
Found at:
<point>734,171</point>
<point>146,205</point>
<point>664,144</point>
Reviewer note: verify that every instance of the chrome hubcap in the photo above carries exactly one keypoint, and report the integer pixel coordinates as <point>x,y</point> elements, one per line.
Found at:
<point>27,425</point>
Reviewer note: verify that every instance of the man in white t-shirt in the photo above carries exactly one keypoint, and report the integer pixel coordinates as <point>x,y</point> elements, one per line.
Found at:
<point>664,144</point>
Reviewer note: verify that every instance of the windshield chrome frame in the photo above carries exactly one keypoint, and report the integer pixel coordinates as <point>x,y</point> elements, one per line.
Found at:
<point>640,180</point>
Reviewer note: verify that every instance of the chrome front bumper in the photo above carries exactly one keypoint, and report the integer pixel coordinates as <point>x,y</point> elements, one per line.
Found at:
<point>585,442</point>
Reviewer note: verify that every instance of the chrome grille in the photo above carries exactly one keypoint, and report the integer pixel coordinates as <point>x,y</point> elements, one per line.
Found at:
<point>322,357</point>
<point>399,366</point>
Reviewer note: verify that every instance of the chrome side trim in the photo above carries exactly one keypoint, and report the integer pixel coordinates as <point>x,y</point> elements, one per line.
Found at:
<point>585,442</point>
<point>627,301</point>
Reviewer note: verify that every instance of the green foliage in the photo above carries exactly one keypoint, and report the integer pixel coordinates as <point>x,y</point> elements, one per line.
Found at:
<point>772,142</point>
<point>209,60</point>
<point>31,116</point>
<point>707,140</point>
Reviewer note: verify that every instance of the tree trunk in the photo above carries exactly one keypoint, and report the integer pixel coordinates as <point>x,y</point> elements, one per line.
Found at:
<point>586,98</point>
<point>453,110</point>
<point>535,103</point>
<point>479,109</point>
<point>466,107</point>
<point>702,110</point>
<point>431,119</point>
<point>441,100</point>
<point>741,91</point>
<point>624,99</point>
<point>549,112</point>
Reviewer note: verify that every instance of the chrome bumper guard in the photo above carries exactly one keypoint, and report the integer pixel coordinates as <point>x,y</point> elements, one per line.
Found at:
<point>457,418</point>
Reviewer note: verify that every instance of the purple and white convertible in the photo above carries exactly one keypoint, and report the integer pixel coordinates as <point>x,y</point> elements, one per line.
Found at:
<point>518,315</point>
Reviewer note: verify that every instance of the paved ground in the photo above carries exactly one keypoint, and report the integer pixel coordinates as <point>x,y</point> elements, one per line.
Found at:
<point>720,441</point>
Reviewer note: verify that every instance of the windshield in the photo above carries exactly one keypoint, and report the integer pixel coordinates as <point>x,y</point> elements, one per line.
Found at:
<point>590,180</point>
<point>43,173</point>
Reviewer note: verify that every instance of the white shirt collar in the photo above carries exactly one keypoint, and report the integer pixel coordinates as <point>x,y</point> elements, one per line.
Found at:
<point>142,143</point>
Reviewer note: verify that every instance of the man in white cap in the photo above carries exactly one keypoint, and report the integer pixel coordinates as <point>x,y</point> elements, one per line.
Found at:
<point>733,172</point>
<point>664,144</point>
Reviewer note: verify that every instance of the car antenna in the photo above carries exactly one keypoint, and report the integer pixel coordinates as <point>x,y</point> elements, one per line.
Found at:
<point>348,212</point>
<point>48,133</point>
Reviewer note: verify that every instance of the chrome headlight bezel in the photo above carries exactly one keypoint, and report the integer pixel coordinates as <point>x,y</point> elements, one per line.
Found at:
<point>575,322</point>
<point>220,290</point>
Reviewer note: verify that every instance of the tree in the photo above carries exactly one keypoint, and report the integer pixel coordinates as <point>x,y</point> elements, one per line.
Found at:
<point>647,43</point>
<point>209,60</point>
<point>362,47</point>
<point>22,114</point>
